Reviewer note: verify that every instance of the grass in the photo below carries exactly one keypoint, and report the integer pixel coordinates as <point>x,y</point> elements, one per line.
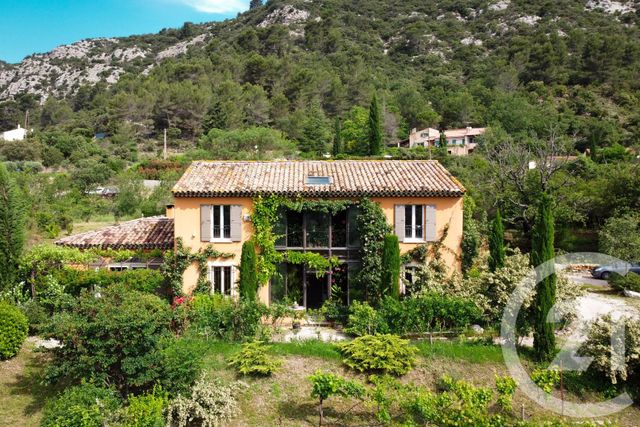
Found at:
<point>312,348</point>
<point>474,353</point>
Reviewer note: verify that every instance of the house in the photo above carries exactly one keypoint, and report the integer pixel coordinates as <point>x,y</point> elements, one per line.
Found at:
<point>214,206</point>
<point>460,142</point>
<point>214,210</point>
<point>18,134</point>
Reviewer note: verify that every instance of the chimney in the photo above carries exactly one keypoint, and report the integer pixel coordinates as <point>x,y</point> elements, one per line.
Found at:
<point>170,211</point>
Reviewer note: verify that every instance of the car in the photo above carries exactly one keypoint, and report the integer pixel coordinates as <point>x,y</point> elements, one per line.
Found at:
<point>604,272</point>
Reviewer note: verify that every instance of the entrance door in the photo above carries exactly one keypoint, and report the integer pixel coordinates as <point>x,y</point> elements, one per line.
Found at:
<point>317,291</point>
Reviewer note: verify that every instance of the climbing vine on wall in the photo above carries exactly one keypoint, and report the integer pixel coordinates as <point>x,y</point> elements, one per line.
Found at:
<point>177,261</point>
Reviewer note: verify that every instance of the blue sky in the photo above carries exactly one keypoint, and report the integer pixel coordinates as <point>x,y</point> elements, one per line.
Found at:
<point>37,26</point>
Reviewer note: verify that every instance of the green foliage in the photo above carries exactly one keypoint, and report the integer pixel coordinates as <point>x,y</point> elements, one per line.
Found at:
<point>337,147</point>
<point>364,320</point>
<point>496,243</point>
<point>248,272</point>
<point>112,336</point>
<point>326,384</point>
<point>143,280</point>
<point>546,379</point>
<point>12,228</point>
<point>253,359</point>
<point>218,317</point>
<point>375,128</point>
<point>382,354</point>
<point>542,250</point>
<point>391,266</point>
<point>254,142</point>
<point>14,327</point>
<point>620,237</point>
<point>182,362</point>
<point>145,410</point>
<point>628,282</point>
<point>85,405</point>
<point>209,403</point>
<point>470,235</point>
<point>506,387</point>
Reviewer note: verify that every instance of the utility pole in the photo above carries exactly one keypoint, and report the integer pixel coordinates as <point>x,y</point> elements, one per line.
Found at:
<point>165,145</point>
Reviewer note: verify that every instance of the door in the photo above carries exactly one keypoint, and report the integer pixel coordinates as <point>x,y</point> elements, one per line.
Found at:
<point>317,290</point>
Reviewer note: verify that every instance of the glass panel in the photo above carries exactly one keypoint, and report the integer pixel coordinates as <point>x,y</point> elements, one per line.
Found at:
<point>294,229</point>
<point>227,280</point>
<point>317,230</point>
<point>408,221</point>
<point>354,235</point>
<point>277,287</point>
<point>419,211</point>
<point>217,280</point>
<point>318,180</point>
<point>280,229</point>
<point>339,230</point>
<point>216,222</point>
<point>227,221</point>
<point>294,284</point>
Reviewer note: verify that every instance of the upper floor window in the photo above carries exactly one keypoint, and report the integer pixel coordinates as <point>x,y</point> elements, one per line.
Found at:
<point>414,222</point>
<point>221,222</point>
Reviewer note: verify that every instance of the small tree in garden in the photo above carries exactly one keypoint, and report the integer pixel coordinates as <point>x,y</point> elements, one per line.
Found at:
<point>375,128</point>
<point>496,243</point>
<point>12,228</point>
<point>541,251</point>
<point>248,272</point>
<point>326,384</point>
<point>391,265</point>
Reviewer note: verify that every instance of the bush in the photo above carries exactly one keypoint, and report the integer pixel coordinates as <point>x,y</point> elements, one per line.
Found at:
<point>146,410</point>
<point>114,336</point>
<point>334,310</point>
<point>143,280</point>
<point>36,314</point>
<point>506,387</point>
<point>254,360</point>
<point>546,379</point>
<point>210,403</point>
<point>14,328</point>
<point>81,406</point>
<point>628,282</point>
<point>182,363</point>
<point>364,320</point>
<point>223,318</point>
<point>383,354</point>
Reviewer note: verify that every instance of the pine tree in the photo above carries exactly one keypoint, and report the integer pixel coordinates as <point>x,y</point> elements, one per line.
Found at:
<point>391,266</point>
<point>255,4</point>
<point>375,128</point>
<point>216,118</point>
<point>541,251</point>
<point>248,272</point>
<point>337,138</point>
<point>12,228</point>
<point>316,135</point>
<point>496,243</point>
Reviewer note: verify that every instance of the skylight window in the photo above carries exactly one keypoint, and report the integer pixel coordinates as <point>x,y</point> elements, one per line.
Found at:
<point>318,180</point>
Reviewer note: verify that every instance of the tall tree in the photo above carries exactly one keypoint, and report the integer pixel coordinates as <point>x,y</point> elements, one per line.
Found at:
<point>255,4</point>
<point>337,138</point>
<point>248,272</point>
<point>391,266</point>
<point>12,228</point>
<point>542,251</point>
<point>316,135</point>
<point>496,243</point>
<point>375,128</point>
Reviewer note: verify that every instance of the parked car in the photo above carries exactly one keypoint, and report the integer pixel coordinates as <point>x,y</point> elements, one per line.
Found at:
<point>604,272</point>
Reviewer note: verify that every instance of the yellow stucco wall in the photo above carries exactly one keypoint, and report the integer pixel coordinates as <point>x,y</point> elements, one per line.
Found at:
<point>187,227</point>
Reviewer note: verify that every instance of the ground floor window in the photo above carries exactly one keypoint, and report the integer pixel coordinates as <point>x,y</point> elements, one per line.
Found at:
<point>409,278</point>
<point>222,278</point>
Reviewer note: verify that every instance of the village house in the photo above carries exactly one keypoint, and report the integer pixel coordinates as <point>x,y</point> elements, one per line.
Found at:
<point>214,208</point>
<point>460,142</point>
<point>18,134</point>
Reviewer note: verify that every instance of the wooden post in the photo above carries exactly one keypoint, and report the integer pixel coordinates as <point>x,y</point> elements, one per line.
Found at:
<point>522,412</point>
<point>562,388</point>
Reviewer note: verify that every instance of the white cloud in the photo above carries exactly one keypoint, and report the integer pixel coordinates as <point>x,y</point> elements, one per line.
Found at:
<point>217,6</point>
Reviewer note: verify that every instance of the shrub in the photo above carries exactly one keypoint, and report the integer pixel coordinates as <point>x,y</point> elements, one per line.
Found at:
<point>143,280</point>
<point>146,410</point>
<point>334,310</point>
<point>326,384</point>
<point>84,406</point>
<point>182,363</point>
<point>210,403</point>
<point>254,360</point>
<point>223,318</point>
<point>506,387</point>
<point>628,282</point>
<point>14,328</point>
<point>364,320</point>
<point>113,336</point>
<point>546,379</point>
<point>383,354</point>
<point>36,315</point>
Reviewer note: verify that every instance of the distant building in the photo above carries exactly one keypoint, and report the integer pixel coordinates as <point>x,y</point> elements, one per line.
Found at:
<point>460,142</point>
<point>18,134</point>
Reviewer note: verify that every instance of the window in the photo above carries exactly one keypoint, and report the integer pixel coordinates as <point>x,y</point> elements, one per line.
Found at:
<point>414,222</point>
<point>221,222</point>
<point>410,277</point>
<point>318,180</point>
<point>222,279</point>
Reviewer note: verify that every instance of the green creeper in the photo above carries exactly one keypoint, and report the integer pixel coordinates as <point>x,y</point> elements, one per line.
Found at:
<point>541,251</point>
<point>496,243</point>
<point>248,272</point>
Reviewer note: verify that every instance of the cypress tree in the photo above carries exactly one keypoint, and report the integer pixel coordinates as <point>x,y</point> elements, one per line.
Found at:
<point>337,138</point>
<point>248,272</point>
<point>12,228</point>
<point>391,266</point>
<point>541,251</point>
<point>496,243</point>
<point>375,128</point>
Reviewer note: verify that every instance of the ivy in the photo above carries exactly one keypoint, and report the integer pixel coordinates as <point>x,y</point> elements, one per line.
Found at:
<point>177,261</point>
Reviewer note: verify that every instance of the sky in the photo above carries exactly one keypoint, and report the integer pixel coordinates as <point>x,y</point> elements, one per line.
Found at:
<point>38,26</point>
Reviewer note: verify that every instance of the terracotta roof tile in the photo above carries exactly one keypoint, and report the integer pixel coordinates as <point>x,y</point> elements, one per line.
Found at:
<point>349,178</point>
<point>144,233</point>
